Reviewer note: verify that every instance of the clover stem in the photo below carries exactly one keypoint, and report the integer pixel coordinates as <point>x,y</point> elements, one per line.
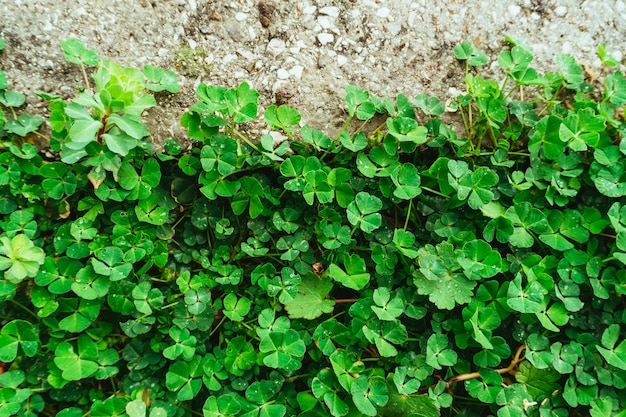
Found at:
<point>112,380</point>
<point>87,86</point>
<point>434,192</point>
<point>462,113</point>
<point>344,128</point>
<point>245,139</point>
<point>23,307</point>
<point>380,126</point>
<point>506,78</point>
<point>362,126</point>
<point>408,214</point>
<point>218,326</point>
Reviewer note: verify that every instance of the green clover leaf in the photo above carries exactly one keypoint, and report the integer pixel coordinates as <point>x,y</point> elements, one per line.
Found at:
<point>20,258</point>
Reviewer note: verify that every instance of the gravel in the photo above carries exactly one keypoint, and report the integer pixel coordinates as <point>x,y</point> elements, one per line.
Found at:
<point>301,52</point>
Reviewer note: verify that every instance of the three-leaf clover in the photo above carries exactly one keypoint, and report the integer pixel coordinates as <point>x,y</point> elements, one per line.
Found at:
<point>20,258</point>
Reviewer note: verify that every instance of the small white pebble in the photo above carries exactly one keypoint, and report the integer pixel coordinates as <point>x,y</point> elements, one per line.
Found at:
<point>296,71</point>
<point>241,16</point>
<point>620,6</point>
<point>331,11</point>
<point>514,10</point>
<point>276,46</point>
<point>309,10</point>
<point>325,38</point>
<point>560,11</point>
<point>383,12</point>
<point>229,58</point>
<point>282,74</point>
<point>192,43</point>
<point>326,22</point>
<point>341,60</point>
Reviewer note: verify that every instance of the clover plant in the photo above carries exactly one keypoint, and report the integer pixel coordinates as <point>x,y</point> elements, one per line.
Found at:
<point>399,268</point>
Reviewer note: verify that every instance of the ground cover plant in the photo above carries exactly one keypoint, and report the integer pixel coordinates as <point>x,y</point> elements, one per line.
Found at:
<point>401,268</point>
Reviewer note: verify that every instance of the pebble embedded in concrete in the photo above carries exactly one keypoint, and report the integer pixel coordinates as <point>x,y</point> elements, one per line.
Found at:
<point>282,74</point>
<point>325,38</point>
<point>276,46</point>
<point>560,11</point>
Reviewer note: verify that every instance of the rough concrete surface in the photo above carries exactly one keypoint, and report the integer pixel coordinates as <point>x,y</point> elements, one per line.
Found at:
<point>300,52</point>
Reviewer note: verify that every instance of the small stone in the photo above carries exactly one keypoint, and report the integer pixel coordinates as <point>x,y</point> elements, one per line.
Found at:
<point>204,29</point>
<point>394,28</point>
<point>234,30</point>
<point>309,10</point>
<point>620,6</point>
<point>514,10</point>
<point>560,11</point>
<point>229,58</point>
<point>325,38</point>
<point>383,12</point>
<point>282,74</point>
<point>192,43</point>
<point>326,22</point>
<point>296,71</point>
<point>276,46</point>
<point>331,11</point>
<point>341,60</point>
<point>241,16</point>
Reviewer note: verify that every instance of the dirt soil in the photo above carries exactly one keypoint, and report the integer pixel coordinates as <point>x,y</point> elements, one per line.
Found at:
<point>301,52</point>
